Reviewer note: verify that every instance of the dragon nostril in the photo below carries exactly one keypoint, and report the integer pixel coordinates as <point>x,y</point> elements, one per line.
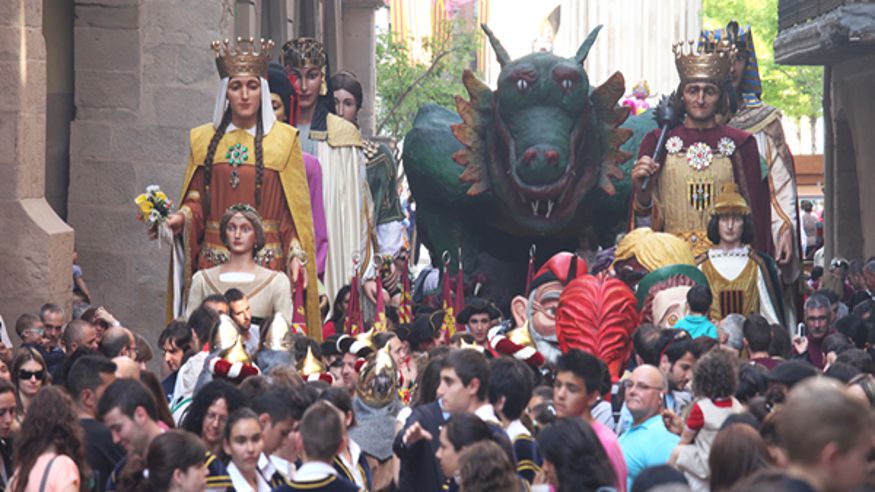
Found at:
<point>529,155</point>
<point>552,157</point>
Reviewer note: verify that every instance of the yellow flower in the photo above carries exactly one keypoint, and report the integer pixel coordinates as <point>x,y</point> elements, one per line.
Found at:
<point>161,196</point>
<point>144,204</point>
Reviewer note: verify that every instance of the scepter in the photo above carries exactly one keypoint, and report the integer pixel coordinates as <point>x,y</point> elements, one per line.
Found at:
<point>667,116</point>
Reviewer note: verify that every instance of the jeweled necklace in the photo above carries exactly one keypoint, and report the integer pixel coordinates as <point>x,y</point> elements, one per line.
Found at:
<point>236,155</point>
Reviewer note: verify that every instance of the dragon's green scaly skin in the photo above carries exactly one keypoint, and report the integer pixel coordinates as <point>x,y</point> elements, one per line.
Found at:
<point>544,159</point>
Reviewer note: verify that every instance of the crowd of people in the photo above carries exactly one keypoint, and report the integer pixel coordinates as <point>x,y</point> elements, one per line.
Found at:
<point>738,406</point>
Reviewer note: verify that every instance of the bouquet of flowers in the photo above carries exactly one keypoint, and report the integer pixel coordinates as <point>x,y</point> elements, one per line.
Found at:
<point>153,209</point>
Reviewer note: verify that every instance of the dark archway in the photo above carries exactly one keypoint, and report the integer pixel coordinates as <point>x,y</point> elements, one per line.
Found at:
<point>845,226</point>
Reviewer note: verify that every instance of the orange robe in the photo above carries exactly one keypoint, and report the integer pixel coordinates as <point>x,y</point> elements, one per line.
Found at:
<point>285,205</point>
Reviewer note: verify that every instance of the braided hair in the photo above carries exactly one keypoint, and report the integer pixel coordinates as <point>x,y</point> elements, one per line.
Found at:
<point>259,158</point>
<point>211,153</point>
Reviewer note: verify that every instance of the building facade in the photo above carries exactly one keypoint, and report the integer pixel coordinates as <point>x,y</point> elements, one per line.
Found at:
<point>100,97</point>
<point>840,35</point>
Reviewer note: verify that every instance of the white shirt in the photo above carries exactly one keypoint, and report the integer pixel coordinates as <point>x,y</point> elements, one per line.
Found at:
<point>284,466</point>
<point>314,470</point>
<point>355,452</point>
<point>241,484</point>
<point>487,414</point>
<point>730,264</point>
<point>516,429</point>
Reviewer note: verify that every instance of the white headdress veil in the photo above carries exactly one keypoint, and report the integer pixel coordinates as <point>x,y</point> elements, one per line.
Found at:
<point>268,118</point>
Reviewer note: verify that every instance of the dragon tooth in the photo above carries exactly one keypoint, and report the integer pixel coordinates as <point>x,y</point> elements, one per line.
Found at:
<point>550,204</point>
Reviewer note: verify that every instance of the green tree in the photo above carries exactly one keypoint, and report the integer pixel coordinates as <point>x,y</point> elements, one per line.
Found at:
<point>796,90</point>
<point>404,84</point>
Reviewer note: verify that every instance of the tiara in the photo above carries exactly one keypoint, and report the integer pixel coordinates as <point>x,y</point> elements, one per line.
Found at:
<point>242,207</point>
<point>243,58</point>
<point>304,53</point>
<point>698,64</point>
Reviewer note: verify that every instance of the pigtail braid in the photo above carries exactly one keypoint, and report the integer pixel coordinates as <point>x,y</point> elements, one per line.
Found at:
<point>211,153</point>
<point>259,159</point>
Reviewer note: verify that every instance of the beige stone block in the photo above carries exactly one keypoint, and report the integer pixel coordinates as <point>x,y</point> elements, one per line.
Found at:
<point>11,11</point>
<point>119,14</point>
<point>38,247</point>
<point>107,90</point>
<point>88,140</point>
<point>8,129</point>
<point>116,227</point>
<point>159,64</point>
<point>108,115</point>
<point>30,153</point>
<point>182,106</point>
<point>33,93</point>
<point>102,268</point>
<point>107,183</point>
<point>196,65</point>
<point>175,23</point>
<point>10,43</point>
<point>150,144</point>
<point>10,81</point>
<point>107,49</point>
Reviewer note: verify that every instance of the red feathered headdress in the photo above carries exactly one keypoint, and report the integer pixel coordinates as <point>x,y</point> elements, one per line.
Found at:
<point>598,314</point>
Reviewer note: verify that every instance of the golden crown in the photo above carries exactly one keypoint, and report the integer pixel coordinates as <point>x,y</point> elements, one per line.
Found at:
<point>697,64</point>
<point>244,58</point>
<point>304,53</point>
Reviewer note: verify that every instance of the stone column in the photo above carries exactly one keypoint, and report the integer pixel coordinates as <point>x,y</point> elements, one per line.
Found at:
<point>145,75</point>
<point>36,247</point>
<point>359,54</point>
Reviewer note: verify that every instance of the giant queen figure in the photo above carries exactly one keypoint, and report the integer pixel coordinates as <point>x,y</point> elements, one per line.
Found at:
<point>244,155</point>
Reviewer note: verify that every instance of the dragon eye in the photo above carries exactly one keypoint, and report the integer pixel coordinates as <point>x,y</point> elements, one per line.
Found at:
<point>566,84</point>
<point>522,84</point>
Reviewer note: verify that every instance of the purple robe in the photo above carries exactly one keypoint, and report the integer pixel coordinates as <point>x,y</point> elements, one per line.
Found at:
<point>314,183</point>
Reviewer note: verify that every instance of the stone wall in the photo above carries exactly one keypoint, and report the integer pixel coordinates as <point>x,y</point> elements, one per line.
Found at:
<point>849,231</point>
<point>145,75</point>
<point>36,247</point>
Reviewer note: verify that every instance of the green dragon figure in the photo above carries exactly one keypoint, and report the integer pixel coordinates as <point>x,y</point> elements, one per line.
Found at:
<point>542,160</point>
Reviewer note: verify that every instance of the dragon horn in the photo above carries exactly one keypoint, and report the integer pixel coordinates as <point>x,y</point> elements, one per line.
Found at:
<point>587,44</point>
<point>500,52</point>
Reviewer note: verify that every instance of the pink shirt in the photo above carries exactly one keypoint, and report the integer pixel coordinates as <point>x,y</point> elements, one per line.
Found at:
<point>615,454</point>
<point>64,472</point>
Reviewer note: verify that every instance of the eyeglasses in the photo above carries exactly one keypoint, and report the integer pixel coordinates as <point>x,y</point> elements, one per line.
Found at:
<point>215,417</point>
<point>549,312</point>
<point>7,411</point>
<point>24,374</point>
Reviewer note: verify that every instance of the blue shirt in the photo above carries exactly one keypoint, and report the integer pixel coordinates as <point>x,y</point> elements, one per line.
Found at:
<point>645,445</point>
<point>697,326</point>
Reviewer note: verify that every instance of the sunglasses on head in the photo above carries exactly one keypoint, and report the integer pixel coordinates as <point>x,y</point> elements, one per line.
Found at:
<point>25,374</point>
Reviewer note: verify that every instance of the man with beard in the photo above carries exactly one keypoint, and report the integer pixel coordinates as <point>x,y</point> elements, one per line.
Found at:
<point>818,324</point>
<point>534,338</point>
<point>675,192</point>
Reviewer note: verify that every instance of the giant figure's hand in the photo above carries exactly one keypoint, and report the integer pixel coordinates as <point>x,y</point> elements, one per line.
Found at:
<point>644,168</point>
<point>176,222</point>
<point>296,268</point>
<point>784,248</point>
